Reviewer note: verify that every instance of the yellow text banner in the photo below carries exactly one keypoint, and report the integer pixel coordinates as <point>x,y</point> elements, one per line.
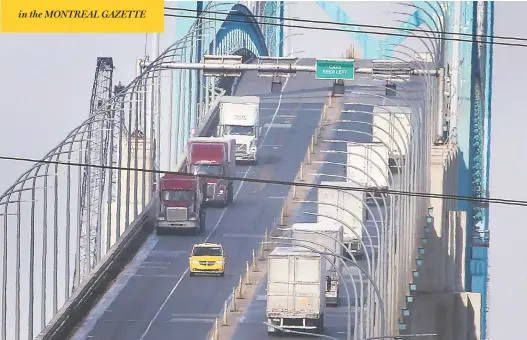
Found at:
<point>81,16</point>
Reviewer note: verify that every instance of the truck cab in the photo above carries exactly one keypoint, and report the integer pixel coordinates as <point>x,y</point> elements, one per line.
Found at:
<point>213,156</point>
<point>181,201</point>
<point>239,119</point>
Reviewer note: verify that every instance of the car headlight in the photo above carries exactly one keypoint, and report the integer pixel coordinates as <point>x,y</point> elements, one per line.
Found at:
<point>161,218</point>
<point>194,262</point>
<point>219,262</point>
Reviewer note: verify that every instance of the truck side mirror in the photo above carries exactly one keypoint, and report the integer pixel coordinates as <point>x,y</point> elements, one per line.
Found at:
<point>218,129</point>
<point>259,131</point>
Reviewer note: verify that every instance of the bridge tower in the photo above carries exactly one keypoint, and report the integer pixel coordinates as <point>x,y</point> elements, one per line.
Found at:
<point>98,138</point>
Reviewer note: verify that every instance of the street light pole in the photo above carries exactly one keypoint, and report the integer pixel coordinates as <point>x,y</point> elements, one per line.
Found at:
<point>368,260</point>
<point>381,243</point>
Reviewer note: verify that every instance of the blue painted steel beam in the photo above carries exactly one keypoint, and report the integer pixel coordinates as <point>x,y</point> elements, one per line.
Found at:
<point>215,32</point>
<point>370,45</point>
<point>249,25</point>
<point>480,160</point>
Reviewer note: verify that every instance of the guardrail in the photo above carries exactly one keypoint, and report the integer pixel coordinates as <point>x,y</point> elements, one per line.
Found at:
<point>88,294</point>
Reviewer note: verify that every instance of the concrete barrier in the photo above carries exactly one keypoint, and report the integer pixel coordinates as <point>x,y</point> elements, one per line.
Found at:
<point>94,287</point>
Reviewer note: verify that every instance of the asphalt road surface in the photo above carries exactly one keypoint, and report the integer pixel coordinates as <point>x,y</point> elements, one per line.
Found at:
<point>154,298</point>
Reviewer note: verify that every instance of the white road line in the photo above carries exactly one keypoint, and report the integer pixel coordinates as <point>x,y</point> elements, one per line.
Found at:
<point>215,226</point>
<point>242,236</point>
<point>147,266</point>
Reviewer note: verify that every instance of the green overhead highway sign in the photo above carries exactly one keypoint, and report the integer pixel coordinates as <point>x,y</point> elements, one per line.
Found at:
<point>335,69</point>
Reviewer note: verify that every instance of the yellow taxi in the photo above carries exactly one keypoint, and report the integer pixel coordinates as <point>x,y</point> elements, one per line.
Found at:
<point>207,258</point>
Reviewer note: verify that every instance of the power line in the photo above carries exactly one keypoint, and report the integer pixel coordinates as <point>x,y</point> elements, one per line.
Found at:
<point>356,31</point>
<point>480,200</point>
<point>351,25</point>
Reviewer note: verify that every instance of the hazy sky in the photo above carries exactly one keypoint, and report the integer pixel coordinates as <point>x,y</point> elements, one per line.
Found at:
<point>47,78</point>
<point>508,277</point>
<point>46,86</point>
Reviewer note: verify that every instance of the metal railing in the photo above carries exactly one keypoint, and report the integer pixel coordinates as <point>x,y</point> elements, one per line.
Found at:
<point>53,256</point>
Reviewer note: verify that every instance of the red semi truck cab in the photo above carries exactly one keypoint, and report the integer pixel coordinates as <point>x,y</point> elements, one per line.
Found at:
<point>213,156</point>
<point>181,203</point>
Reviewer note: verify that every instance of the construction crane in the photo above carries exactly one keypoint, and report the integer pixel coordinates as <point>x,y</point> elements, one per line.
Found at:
<point>99,137</point>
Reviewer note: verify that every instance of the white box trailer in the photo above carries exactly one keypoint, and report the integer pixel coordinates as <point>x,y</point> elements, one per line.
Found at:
<point>296,289</point>
<point>326,236</point>
<point>373,161</point>
<point>392,125</point>
<point>239,119</point>
<point>353,201</point>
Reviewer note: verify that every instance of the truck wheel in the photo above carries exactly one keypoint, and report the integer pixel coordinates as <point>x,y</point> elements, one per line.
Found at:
<point>230,193</point>
<point>320,326</point>
<point>202,221</point>
<point>201,226</point>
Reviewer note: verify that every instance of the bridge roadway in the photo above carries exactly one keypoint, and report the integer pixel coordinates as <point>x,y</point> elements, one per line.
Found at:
<point>251,324</point>
<point>154,298</point>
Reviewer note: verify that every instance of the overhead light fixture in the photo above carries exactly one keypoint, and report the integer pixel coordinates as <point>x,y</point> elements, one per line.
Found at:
<point>391,89</point>
<point>276,85</point>
<point>338,88</point>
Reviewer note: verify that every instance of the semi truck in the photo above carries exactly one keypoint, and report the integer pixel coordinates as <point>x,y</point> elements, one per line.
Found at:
<point>239,119</point>
<point>296,285</point>
<point>325,236</point>
<point>368,165</point>
<point>181,203</point>
<point>392,126</point>
<point>213,156</point>
<point>351,224</point>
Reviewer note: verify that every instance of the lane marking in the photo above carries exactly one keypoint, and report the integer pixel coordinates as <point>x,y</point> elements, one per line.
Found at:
<point>286,116</point>
<point>242,236</point>
<point>272,125</point>
<point>157,263</point>
<point>168,253</point>
<point>193,315</point>
<point>147,266</point>
<point>217,223</point>
<point>157,275</point>
<point>175,320</point>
